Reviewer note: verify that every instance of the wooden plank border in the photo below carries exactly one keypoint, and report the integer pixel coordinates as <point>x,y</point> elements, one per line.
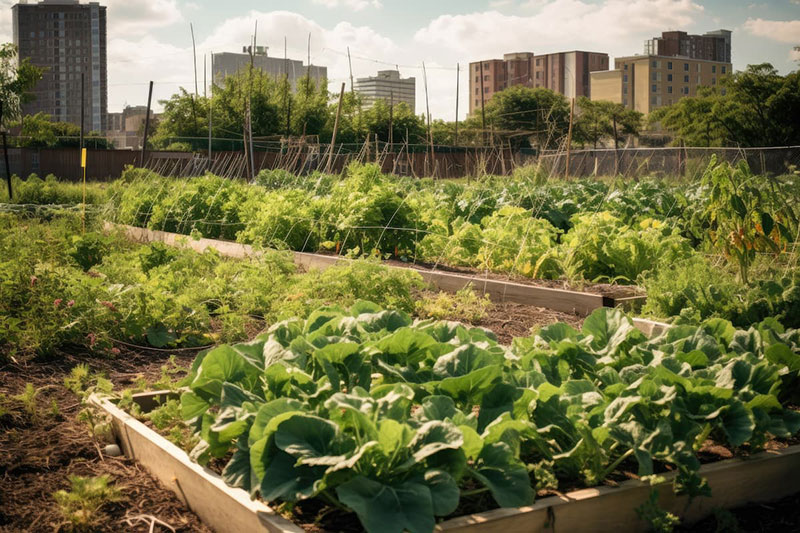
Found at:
<point>763,477</point>
<point>222,508</point>
<point>566,301</point>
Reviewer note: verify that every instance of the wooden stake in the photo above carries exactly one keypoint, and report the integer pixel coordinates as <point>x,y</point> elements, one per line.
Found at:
<point>483,109</point>
<point>458,82</point>
<point>147,123</point>
<point>335,129</point>
<point>194,56</point>
<point>350,63</point>
<point>5,153</point>
<point>569,135</point>
<point>428,114</point>
<point>83,105</point>
<point>391,119</point>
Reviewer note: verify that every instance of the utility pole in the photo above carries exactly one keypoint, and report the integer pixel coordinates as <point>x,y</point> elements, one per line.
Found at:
<point>569,135</point>
<point>458,82</point>
<point>335,129</point>
<point>146,124</point>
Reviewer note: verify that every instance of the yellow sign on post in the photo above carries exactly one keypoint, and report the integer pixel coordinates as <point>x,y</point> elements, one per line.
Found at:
<point>83,205</point>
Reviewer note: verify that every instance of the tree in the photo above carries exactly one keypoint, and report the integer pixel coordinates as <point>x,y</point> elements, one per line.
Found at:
<point>756,107</point>
<point>403,120</point>
<point>40,131</point>
<point>541,114</point>
<point>17,79</point>
<point>598,120</point>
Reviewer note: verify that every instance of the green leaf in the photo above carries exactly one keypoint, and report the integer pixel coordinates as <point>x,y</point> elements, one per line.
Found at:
<point>158,336</point>
<point>444,492</point>
<point>506,477</point>
<point>284,479</point>
<point>433,437</point>
<point>192,406</point>
<point>738,423</point>
<point>307,437</point>
<point>389,508</point>
<point>469,389</point>
<point>780,354</point>
<point>767,224</point>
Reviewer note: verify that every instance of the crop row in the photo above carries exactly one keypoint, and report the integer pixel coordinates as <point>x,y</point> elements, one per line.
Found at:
<point>402,422</point>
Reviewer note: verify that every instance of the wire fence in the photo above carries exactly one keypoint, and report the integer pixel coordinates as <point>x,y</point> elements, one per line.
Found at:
<point>300,157</point>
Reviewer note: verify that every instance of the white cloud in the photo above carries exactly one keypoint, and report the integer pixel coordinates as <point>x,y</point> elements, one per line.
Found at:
<point>794,54</point>
<point>784,31</point>
<point>559,25</point>
<point>495,4</point>
<point>137,18</point>
<point>355,5</point>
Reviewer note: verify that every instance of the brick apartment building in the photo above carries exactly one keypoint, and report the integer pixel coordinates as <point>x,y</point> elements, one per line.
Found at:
<point>67,39</point>
<point>672,67</point>
<point>711,46</point>
<point>564,72</point>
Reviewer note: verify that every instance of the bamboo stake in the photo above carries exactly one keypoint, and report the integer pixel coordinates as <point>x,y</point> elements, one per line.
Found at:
<point>458,81</point>
<point>335,129</point>
<point>569,135</point>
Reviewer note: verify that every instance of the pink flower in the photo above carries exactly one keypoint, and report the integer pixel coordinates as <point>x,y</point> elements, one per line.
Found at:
<point>70,303</point>
<point>92,339</point>
<point>115,351</point>
<point>34,279</point>
<point>57,302</point>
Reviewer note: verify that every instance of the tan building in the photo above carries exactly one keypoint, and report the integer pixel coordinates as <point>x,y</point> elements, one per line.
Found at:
<point>125,128</point>
<point>564,72</point>
<point>645,83</point>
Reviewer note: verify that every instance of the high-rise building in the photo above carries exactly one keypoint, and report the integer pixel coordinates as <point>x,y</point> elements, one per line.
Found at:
<point>67,39</point>
<point>563,72</point>
<point>387,86</point>
<point>645,83</point>
<point>711,46</point>
<point>226,64</point>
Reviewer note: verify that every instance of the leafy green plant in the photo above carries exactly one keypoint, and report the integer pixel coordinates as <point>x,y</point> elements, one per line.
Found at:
<point>402,421</point>
<point>82,505</point>
<point>465,305</point>
<point>28,399</point>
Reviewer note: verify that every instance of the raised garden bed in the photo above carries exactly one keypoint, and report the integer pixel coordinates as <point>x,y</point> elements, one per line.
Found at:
<point>567,301</point>
<point>763,477</point>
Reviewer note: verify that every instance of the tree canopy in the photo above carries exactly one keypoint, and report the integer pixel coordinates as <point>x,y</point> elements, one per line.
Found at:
<point>755,107</point>
<point>17,79</point>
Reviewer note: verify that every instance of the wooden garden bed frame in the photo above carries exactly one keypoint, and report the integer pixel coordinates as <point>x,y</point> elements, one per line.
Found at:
<point>763,477</point>
<point>565,301</point>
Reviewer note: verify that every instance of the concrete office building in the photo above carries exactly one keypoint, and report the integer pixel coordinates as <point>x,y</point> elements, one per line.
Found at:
<point>563,72</point>
<point>227,63</point>
<point>67,39</point>
<point>125,128</point>
<point>711,46</point>
<point>387,86</point>
<point>645,83</point>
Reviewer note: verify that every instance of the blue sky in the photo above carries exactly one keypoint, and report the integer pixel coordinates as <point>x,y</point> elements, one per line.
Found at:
<point>150,39</point>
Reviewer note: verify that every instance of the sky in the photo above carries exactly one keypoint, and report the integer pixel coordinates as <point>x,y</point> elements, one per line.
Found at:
<point>151,39</point>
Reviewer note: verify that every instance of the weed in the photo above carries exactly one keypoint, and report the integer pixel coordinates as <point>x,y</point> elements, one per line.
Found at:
<point>81,505</point>
<point>28,400</point>
<point>78,379</point>
<point>658,520</point>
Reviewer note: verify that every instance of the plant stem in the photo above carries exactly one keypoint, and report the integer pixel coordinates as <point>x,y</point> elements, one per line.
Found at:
<point>473,492</point>
<point>616,463</point>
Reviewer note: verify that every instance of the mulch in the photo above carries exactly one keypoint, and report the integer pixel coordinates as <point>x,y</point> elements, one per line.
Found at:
<point>38,454</point>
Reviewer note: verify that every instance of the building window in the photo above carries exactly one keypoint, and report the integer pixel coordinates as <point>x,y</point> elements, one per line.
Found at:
<point>477,91</point>
<point>686,67</point>
<point>477,68</point>
<point>669,65</point>
<point>655,64</point>
<point>486,90</point>
<point>624,78</point>
<point>477,79</point>
<point>625,90</point>
<point>486,78</point>
<point>669,77</point>
<point>713,81</point>
<point>486,66</point>
<point>669,89</point>
<point>685,90</point>
<point>686,79</point>
<point>538,62</point>
<point>713,69</point>
<point>724,69</point>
